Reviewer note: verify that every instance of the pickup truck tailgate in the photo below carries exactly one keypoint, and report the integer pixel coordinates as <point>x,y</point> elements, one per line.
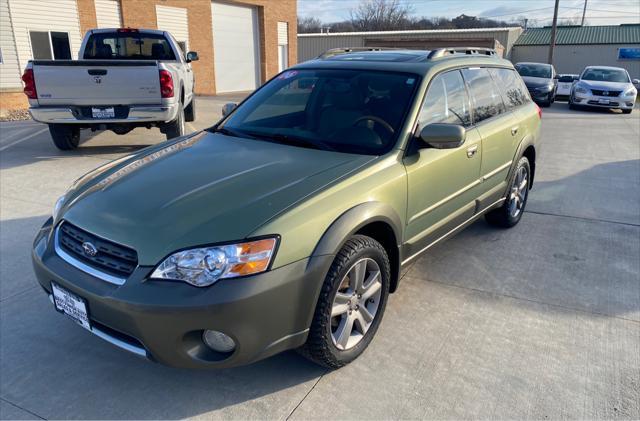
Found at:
<point>97,82</point>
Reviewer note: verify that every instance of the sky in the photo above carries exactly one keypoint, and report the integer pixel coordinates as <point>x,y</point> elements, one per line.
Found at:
<point>599,12</point>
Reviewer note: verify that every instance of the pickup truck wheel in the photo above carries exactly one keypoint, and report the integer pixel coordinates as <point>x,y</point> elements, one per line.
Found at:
<point>176,127</point>
<point>190,111</point>
<point>65,137</point>
<point>351,303</point>
<point>511,211</point>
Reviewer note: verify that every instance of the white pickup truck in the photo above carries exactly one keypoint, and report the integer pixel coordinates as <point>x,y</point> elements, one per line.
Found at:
<point>124,78</point>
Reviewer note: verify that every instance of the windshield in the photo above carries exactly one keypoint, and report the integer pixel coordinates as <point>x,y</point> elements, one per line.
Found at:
<point>128,46</point>
<point>350,111</point>
<point>605,75</point>
<point>534,70</point>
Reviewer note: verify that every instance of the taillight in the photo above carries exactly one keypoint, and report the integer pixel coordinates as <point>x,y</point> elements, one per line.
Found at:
<point>166,84</point>
<point>127,30</point>
<point>29,84</point>
<point>539,111</point>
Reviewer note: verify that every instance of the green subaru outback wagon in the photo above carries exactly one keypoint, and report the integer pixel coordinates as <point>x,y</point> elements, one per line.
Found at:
<point>286,224</point>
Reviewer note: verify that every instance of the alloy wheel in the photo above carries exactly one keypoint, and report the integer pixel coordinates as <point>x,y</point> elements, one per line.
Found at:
<point>519,191</point>
<point>356,303</point>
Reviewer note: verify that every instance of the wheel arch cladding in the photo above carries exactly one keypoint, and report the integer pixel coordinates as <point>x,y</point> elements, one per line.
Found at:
<point>373,219</point>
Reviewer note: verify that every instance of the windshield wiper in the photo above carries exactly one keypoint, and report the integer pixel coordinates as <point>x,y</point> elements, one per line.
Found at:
<point>232,132</point>
<point>288,139</point>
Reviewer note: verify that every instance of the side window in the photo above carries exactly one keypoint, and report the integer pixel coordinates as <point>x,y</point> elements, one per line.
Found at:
<point>446,101</point>
<point>513,90</point>
<point>50,45</point>
<point>487,101</point>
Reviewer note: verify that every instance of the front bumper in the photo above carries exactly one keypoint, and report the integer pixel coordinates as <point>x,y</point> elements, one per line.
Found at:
<point>591,100</point>
<point>79,115</point>
<point>540,95</point>
<point>163,320</point>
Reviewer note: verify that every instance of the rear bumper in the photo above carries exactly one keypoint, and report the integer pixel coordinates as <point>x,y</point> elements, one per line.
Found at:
<point>163,321</point>
<point>133,114</point>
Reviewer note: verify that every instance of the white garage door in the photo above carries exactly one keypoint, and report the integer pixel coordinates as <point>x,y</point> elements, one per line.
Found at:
<point>108,14</point>
<point>175,21</point>
<point>235,47</point>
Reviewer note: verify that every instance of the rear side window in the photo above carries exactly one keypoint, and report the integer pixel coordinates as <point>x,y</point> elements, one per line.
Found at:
<point>128,46</point>
<point>446,101</point>
<point>485,96</point>
<point>513,89</point>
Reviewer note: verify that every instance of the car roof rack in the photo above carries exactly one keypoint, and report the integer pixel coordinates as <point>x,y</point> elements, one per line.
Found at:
<point>344,50</point>
<point>442,52</point>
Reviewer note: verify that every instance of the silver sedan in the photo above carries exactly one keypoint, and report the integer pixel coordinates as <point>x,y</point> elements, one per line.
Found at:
<point>604,87</point>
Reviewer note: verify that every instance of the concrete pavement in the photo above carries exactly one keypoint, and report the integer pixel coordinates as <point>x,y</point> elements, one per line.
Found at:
<point>540,321</point>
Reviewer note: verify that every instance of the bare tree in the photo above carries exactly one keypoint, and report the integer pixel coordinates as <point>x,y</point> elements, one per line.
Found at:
<point>381,15</point>
<point>309,25</point>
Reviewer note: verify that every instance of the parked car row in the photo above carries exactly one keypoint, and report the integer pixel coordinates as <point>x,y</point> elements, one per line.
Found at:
<point>596,86</point>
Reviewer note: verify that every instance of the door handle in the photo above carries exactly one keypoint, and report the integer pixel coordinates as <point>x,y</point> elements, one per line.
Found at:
<point>471,151</point>
<point>514,131</point>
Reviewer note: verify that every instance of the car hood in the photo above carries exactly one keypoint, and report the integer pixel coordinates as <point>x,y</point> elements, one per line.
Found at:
<point>536,82</point>
<point>605,86</point>
<point>203,189</point>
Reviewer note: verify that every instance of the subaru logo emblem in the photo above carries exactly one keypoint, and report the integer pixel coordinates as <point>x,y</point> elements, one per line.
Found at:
<point>97,79</point>
<point>89,249</point>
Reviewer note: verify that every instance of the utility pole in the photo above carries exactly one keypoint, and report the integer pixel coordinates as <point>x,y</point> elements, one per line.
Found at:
<point>584,12</point>
<point>554,26</point>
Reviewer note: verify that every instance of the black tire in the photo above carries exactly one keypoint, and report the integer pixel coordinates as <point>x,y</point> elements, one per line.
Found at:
<point>176,127</point>
<point>65,137</point>
<point>320,347</point>
<point>627,111</point>
<point>190,110</point>
<point>504,216</point>
<point>572,106</point>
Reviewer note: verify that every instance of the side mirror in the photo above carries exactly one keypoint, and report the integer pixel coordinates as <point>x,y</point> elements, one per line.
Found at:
<point>556,77</point>
<point>443,136</point>
<point>636,81</point>
<point>227,108</point>
<point>192,56</point>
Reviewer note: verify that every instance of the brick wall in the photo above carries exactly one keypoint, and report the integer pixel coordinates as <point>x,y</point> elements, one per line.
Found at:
<point>142,14</point>
<point>86,15</point>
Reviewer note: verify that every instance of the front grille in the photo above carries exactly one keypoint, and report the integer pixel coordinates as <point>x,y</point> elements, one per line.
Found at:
<point>111,258</point>
<point>605,93</point>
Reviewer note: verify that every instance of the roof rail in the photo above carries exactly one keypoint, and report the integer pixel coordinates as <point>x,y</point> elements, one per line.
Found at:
<point>441,52</point>
<point>344,50</point>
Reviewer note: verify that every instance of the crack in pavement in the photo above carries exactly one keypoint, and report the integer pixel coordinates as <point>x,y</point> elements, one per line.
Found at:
<point>21,408</point>
<point>583,218</point>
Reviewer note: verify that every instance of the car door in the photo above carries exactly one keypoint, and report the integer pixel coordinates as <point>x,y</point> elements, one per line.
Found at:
<point>442,183</point>
<point>498,129</point>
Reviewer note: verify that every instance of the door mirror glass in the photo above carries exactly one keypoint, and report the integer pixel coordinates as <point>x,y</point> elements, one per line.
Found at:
<point>192,56</point>
<point>443,136</point>
<point>227,108</point>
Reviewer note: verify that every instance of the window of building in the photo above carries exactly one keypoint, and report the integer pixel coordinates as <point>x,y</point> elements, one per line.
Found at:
<point>513,89</point>
<point>486,98</point>
<point>47,45</point>
<point>446,101</point>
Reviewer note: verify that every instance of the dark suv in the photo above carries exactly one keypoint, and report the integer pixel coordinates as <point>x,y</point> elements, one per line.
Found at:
<point>541,81</point>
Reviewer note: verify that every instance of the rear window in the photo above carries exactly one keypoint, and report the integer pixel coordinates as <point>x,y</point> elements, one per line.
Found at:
<point>128,46</point>
<point>567,78</point>
<point>487,101</point>
<point>513,88</point>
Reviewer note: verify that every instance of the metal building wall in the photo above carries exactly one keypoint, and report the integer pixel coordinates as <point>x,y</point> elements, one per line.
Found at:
<point>312,45</point>
<point>574,58</point>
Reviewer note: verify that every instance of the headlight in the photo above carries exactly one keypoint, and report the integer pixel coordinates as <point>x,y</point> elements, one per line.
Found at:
<point>57,207</point>
<point>630,92</point>
<point>581,90</point>
<point>203,266</point>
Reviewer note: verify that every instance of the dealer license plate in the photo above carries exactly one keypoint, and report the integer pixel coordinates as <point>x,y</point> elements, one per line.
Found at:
<point>603,101</point>
<point>71,305</point>
<point>103,112</point>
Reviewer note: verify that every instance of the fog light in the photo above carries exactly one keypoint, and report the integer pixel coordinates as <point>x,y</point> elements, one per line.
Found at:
<point>218,341</point>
